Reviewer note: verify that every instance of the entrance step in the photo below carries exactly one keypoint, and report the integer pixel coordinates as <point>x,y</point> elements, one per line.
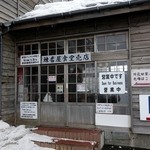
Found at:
<point>71,138</point>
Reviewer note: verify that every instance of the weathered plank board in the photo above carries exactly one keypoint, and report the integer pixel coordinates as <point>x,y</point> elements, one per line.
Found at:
<point>140,59</point>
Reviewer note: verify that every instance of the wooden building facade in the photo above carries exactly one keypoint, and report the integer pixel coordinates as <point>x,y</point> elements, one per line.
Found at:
<point>85,69</point>
<point>10,10</point>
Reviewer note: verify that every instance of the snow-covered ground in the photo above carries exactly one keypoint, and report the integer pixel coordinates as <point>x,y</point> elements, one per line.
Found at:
<point>20,138</point>
<point>62,7</point>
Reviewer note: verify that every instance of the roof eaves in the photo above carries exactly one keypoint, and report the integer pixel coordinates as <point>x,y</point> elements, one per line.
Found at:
<point>88,10</point>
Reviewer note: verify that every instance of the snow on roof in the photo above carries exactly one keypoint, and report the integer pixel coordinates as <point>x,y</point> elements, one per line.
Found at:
<point>69,6</point>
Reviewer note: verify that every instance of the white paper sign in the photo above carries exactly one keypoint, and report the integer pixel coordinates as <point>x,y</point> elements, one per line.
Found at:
<point>106,108</point>
<point>144,107</point>
<point>30,59</point>
<point>28,110</point>
<point>112,82</point>
<point>140,77</point>
<point>51,78</point>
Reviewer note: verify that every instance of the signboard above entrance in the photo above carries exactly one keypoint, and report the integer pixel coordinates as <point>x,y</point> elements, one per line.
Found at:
<point>66,58</point>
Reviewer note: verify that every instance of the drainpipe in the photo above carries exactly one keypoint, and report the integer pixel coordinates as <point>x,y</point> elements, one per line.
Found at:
<point>0,74</point>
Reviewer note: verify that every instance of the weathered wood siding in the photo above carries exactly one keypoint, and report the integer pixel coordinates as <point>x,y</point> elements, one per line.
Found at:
<point>140,58</point>
<point>8,79</point>
<point>10,9</point>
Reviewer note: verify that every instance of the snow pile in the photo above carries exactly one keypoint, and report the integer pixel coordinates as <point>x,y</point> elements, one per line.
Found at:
<point>62,7</point>
<point>20,138</point>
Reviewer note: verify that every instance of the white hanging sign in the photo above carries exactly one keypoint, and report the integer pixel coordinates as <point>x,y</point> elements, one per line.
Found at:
<point>30,59</point>
<point>66,58</point>
<point>112,82</point>
<point>140,77</point>
<point>144,107</point>
<point>104,108</point>
<point>28,110</point>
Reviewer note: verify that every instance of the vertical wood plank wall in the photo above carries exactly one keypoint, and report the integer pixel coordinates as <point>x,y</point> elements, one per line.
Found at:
<point>140,58</point>
<point>8,79</point>
<point>10,9</point>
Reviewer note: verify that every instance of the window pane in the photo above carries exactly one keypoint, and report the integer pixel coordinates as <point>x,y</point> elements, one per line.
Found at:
<point>27,47</point>
<point>60,44</point>
<point>91,98</point>
<point>52,45</point>
<point>44,79</point>
<point>34,70</point>
<point>60,98</point>
<point>121,37</point>
<point>90,68</point>
<point>52,52</point>
<point>35,88</point>
<point>44,70</point>
<point>34,79</point>
<point>44,88</point>
<point>81,49</point>
<point>60,78</point>
<point>60,51</point>
<point>35,47</point>
<point>72,78</point>
<point>101,47</point>
<point>89,41</point>
<point>72,68</point>
<point>90,49</point>
<point>44,46</point>
<point>72,97</point>
<point>81,68</point>
<point>60,69</point>
<point>110,39</point>
<point>72,50</point>
<point>52,88</point>
<point>111,46</point>
<point>72,43</point>
<point>81,98</point>
<point>102,98</point>
<point>121,46</point>
<point>52,70</point>
<point>80,42</point>
<point>27,70</point>
<point>72,87</point>
<point>80,78</point>
<point>44,52</point>
<point>100,39</point>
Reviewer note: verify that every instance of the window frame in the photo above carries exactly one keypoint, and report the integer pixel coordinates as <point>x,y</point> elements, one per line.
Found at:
<point>109,34</point>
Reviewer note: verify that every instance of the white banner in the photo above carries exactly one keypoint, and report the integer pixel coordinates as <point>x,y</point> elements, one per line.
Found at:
<point>66,58</point>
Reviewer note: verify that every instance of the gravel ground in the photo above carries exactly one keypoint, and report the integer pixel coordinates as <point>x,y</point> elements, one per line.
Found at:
<point>112,147</point>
